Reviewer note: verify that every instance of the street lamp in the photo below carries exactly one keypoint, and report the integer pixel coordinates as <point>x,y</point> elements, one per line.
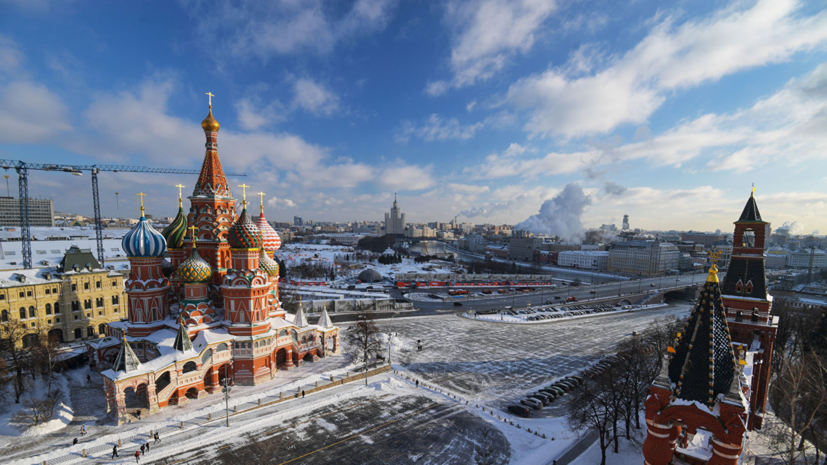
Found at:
<point>390,337</point>
<point>226,390</point>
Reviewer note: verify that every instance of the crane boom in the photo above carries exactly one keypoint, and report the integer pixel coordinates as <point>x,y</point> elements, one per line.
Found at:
<point>22,168</point>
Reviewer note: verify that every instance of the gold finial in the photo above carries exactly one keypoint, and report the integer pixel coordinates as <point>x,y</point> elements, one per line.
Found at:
<point>753,190</point>
<point>713,270</point>
<point>180,195</point>
<point>244,194</point>
<point>193,229</point>
<point>141,196</point>
<point>210,96</point>
<point>261,194</point>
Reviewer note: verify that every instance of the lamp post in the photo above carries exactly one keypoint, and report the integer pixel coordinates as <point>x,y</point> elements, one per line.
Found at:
<point>390,337</point>
<point>226,390</point>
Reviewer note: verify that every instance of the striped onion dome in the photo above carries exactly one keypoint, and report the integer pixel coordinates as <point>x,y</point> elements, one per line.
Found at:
<point>194,269</point>
<point>244,234</point>
<point>144,241</point>
<point>176,231</point>
<point>268,264</point>
<point>272,241</point>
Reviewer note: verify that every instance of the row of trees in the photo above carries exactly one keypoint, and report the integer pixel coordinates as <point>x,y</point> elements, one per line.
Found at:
<point>610,400</point>
<point>28,356</point>
<point>496,267</point>
<point>798,391</point>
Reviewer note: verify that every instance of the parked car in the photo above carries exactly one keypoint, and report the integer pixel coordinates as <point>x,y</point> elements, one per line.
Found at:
<point>457,304</point>
<point>533,403</point>
<point>543,399</point>
<point>553,393</point>
<point>560,391</point>
<point>557,297</point>
<point>520,410</point>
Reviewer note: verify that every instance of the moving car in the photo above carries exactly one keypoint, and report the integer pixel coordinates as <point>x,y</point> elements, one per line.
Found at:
<point>457,304</point>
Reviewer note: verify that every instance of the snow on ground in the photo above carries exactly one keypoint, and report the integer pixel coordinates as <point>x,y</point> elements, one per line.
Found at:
<point>51,251</point>
<point>10,428</point>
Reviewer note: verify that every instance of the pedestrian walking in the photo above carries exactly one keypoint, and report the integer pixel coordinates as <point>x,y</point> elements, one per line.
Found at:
<point>75,442</point>
<point>137,456</point>
<point>88,379</point>
<point>138,413</point>
<point>417,383</point>
<point>147,447</point>
<point>143,449</point>
<point>157,438</point>
<point>82,430</point>
<point>115,452</point>
<point>302,393</point>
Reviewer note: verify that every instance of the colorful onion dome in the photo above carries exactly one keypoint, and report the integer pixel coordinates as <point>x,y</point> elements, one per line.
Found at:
<point>194,269</point>
<point>177,230</point>
<point>210,123</point>
<point>272,241</point>
<point>270,266</point>
<point>144,241</point>
<point>244,234</point>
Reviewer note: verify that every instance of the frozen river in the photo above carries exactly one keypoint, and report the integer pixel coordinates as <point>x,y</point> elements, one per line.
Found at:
<point>499,363</point>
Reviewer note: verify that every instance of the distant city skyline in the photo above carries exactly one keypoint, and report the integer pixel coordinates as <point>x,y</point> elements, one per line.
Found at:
<point>480,108</point>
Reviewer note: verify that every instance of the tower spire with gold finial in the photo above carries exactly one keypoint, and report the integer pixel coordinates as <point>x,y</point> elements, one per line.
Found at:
<point>261,208</point>
<point>141,196</point>
<point>194,238</point>
<point>713,270</point>
<point>243,194</point>
<point>180,195</point>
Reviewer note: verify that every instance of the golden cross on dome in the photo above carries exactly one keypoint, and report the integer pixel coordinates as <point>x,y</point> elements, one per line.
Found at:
<point>262,194</point>
<point>210,96</point>
<point>141,196</point>
<point>193,229</point>
<point>180,198</point>
<point>753,189</point>
<point>244,193</point>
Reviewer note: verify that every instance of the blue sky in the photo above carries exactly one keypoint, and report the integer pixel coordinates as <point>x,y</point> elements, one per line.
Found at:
<point>477,108</point>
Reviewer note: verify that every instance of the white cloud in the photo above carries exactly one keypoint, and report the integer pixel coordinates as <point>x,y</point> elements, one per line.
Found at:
<point>314,97</point>
<point>467,188</point>
<point>11,59</point>
<point>435,128</point>
<point>31,113</point>
<point>487,34</point>
<point>277,202</point>
<point>406,177</point>
<point>631,87</point>
<point>252,115</point>
<point>139,124</point>
<point>249,29</point>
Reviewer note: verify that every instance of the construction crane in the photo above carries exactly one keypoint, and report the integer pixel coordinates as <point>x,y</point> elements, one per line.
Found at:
<point>22,168</point>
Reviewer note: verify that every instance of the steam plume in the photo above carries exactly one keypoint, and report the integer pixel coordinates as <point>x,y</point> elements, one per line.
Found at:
<point>560,216</point>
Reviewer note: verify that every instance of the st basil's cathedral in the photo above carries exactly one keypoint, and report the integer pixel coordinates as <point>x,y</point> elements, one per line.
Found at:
<point>211,311</point>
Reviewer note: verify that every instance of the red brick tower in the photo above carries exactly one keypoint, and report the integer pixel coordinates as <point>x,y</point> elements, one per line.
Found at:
<point>147,288</point>
<point>212,208</point>
<point>696,411</point>
<point>748,305</point>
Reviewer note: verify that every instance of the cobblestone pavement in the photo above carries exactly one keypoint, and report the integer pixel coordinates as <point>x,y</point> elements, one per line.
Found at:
<point>499,363</point>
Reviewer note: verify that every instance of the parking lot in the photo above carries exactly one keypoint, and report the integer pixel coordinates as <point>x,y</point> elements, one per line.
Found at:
<point>498,364</point>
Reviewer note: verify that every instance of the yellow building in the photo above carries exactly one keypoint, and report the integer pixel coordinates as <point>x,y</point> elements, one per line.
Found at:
<point>72,302</point>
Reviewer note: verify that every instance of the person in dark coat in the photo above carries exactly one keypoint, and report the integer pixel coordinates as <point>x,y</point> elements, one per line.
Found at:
<point>143,449</point>
<point>147,447</point>
<point>115,452</point>
<point>157,438</point>
<point>75,442</point>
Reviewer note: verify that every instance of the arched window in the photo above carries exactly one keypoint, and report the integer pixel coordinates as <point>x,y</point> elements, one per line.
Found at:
<point>57,308</point>
<point>207,355</point>
<point>22,313</point>
<point>78,333</point>
<point>190,366</point>
<point>87,304</point>
<point>114,300</point>
<point>221,347</point>
<point>295,335</point>
<point>75,305</point>
<point>90,331</point>
<point>5,316</point>
<point>48,309</point>
<point>86,286</point>
<point>101,328</point>
<point>31,312</point>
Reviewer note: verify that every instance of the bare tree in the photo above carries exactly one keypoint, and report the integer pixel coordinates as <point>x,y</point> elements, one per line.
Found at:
<point>640,364</point>
<point>799,396</point>
<point>14,352</point>
<point>44,355</point>
<point>594,405</point>
<point>37,411</point>
<point>363,339</point>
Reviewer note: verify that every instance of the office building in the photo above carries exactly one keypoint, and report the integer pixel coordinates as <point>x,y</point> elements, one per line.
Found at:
<point>41,212</point>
